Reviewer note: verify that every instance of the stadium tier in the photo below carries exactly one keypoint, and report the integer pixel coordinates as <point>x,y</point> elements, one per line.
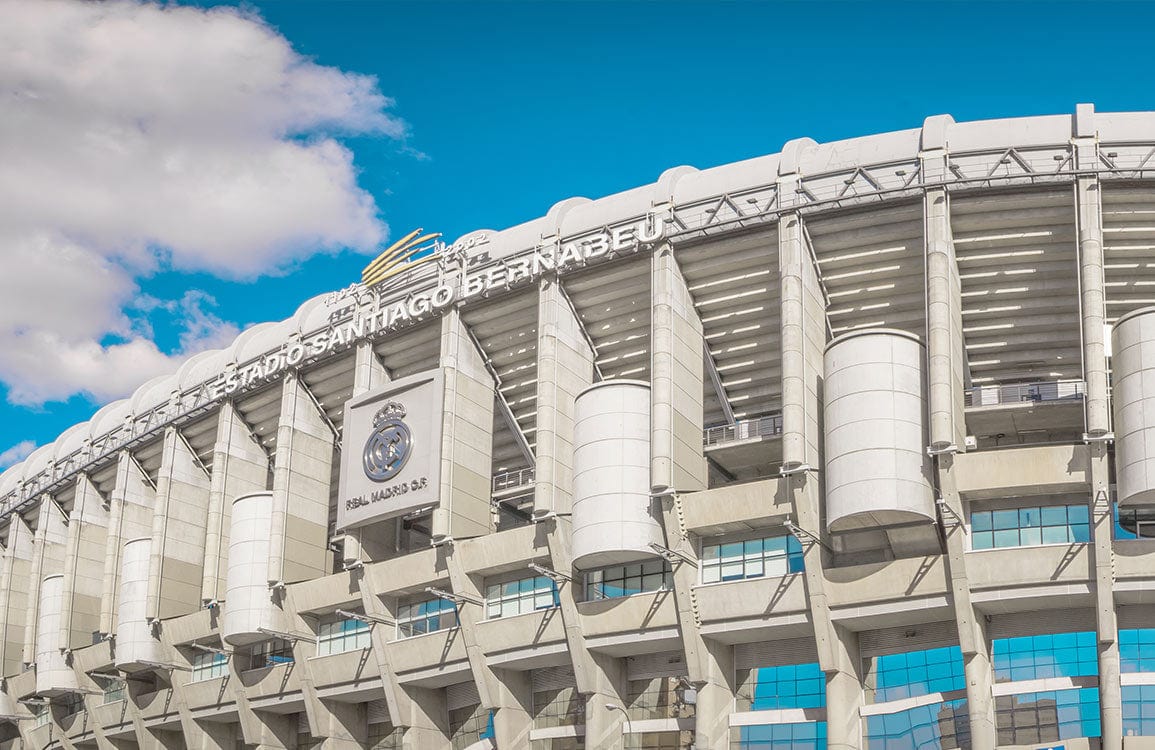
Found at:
<point>849,446</point>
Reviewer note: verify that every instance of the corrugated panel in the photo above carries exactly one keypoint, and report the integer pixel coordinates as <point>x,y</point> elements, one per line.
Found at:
<point>378,711</point>
<point>553,678</point>
<point>775,653</point>
<point>907,638</point>
<point>649,666</point>
<point>303,723</point>
<point>461,695</point>
<point>1041,623</point>
<point>1135,617</point>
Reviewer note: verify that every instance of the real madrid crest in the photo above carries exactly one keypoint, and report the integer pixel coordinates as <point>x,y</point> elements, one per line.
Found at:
<point>389,445</point>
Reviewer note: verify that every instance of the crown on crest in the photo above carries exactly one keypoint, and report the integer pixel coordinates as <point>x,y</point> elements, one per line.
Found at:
<point>391,410</point>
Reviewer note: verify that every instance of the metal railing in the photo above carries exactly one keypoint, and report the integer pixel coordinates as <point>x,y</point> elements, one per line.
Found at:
<point>510,480</point>
<point>1019,393</point>
<point>743,429</point>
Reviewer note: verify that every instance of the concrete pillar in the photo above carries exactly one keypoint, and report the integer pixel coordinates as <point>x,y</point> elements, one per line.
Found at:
<point>946,355</point>
<point>1089,208</point>
<point>240,466</point>
<point>301,474</point>
<point>844,697</point>
<point>15,580</point>
<point>676,380</point>
<point>466,436</point>
<point>83,565</point>
<point>378,540</point>
<point>972,635</point>
<point>130,516</point>
<point>368,372</point>
<point>565,365</point>
<point>47,560</point>
<point>1110,688</point>
<point>176,560</point>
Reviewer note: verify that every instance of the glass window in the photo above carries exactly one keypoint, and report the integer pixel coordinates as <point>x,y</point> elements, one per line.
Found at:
<point>624,580</point>
<point>40,716</point>
<point>1024,527</point>
<point>114,688</point>
<point>336,635</point>
<point>427,616</point>
<point>385,736</point>
<point>1138,710</point>
<point>1038,656</point>
<point>937,726</point>
<point>897,676</point>
<point>1031,718</point>
<point>790,686</point>
<point>803,736</point>
<point>269,653</point>
<point>520,596</point>
<point>469,725</point>
<point>753,558</point>
<point>205,666</point>
<point>1137,650</point>
<point>562,707</point>
<point>657,698</point>
<point>1135,522</point>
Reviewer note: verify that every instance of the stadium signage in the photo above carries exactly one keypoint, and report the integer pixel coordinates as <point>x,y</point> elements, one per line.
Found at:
<point>471,280</point>
<point>391,457</point>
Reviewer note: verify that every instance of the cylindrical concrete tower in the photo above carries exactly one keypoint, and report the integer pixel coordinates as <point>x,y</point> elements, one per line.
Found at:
<point>249,602</point>
<point>877,468</point>
<point>134,639</point>
<point>53,675</point>
<point>1133,394</point>
<point>612,517</point>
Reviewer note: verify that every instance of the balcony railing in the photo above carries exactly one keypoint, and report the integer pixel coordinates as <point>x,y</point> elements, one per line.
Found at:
<point>744,429</point>
<point>1019,393</point>
<point>511,480</point>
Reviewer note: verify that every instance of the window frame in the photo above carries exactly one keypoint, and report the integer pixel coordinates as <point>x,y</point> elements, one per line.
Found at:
<point>595,579</point>
<point>749,558</point>
<point>420,611</point>
<point>337,634</point>
<point>1032,525</point>
<point>534,590</point>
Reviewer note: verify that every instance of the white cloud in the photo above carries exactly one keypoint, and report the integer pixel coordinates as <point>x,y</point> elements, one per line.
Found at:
<point>16,453</point>
<point>139,136</point>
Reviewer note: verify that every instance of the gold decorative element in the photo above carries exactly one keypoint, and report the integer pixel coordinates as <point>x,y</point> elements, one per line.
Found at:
<point>396,259</point>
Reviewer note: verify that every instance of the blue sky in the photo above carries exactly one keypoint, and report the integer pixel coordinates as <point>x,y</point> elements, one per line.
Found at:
<point>511,107</point>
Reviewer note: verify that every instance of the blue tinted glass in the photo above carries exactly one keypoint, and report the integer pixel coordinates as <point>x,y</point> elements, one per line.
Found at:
<point>1005,519</point>
<point>983,540</point>
<point>1078,514</point>
<point>981,521</point>
<point>807,736</point>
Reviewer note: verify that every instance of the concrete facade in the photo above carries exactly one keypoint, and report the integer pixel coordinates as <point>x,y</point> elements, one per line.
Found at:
<point>1005,249</point>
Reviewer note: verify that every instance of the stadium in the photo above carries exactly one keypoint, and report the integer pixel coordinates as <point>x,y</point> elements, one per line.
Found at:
<point>845,446</point>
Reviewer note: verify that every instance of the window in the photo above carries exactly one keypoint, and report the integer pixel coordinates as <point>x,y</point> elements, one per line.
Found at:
<point>1023,527</point>
<point>753,558</point>
<point>1138,710</point>
<point>790,686</point>
<point>1039,656</point>
<point>427,616</point>
<point>519,597</point>
<point>897,676</point>
<point>657,698</point>
<point>624,580</point>
<point>384,736</point>
<point>469,725</point>
<point>1031,718</point>
<point>341,634</point>
<point>803,736</point>
<point>659,741</point>
<point>73,704</point>
<point>562,707</point>
<point>270,653</point>
<point>938,726</point>
<point>207,666</point>
<point>1135,522</point>
<point>40,716</point>
<point>113,687</point>
<point>1137,650</point>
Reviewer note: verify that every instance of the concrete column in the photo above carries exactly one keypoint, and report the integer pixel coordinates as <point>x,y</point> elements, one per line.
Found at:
<point>378,540</point>
<point>1110,688</point>
<point>600,679</point>
<point>130,516</point>
<point>83,564</point>
<point>47,559</point>
<point>369,372</point>
<point>240,466</point>
<point>710,664</point>
<point>421,711</point>
<point>972,636</point>
<point>301,474</point>
<point>1088,199</point>
<point>844,698</point>
<point>176,560</point>
<point>466,436</point>
<point>15,577</point>
<point>564,366</point>
<point>676,380</point>
<point>946,357</point>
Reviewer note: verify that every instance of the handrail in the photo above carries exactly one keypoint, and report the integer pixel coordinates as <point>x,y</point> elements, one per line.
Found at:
<point>1019,393</point>
<point>744,429</point>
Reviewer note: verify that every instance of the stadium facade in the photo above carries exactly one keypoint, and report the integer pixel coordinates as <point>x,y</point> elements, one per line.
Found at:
<point>815,449</point>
